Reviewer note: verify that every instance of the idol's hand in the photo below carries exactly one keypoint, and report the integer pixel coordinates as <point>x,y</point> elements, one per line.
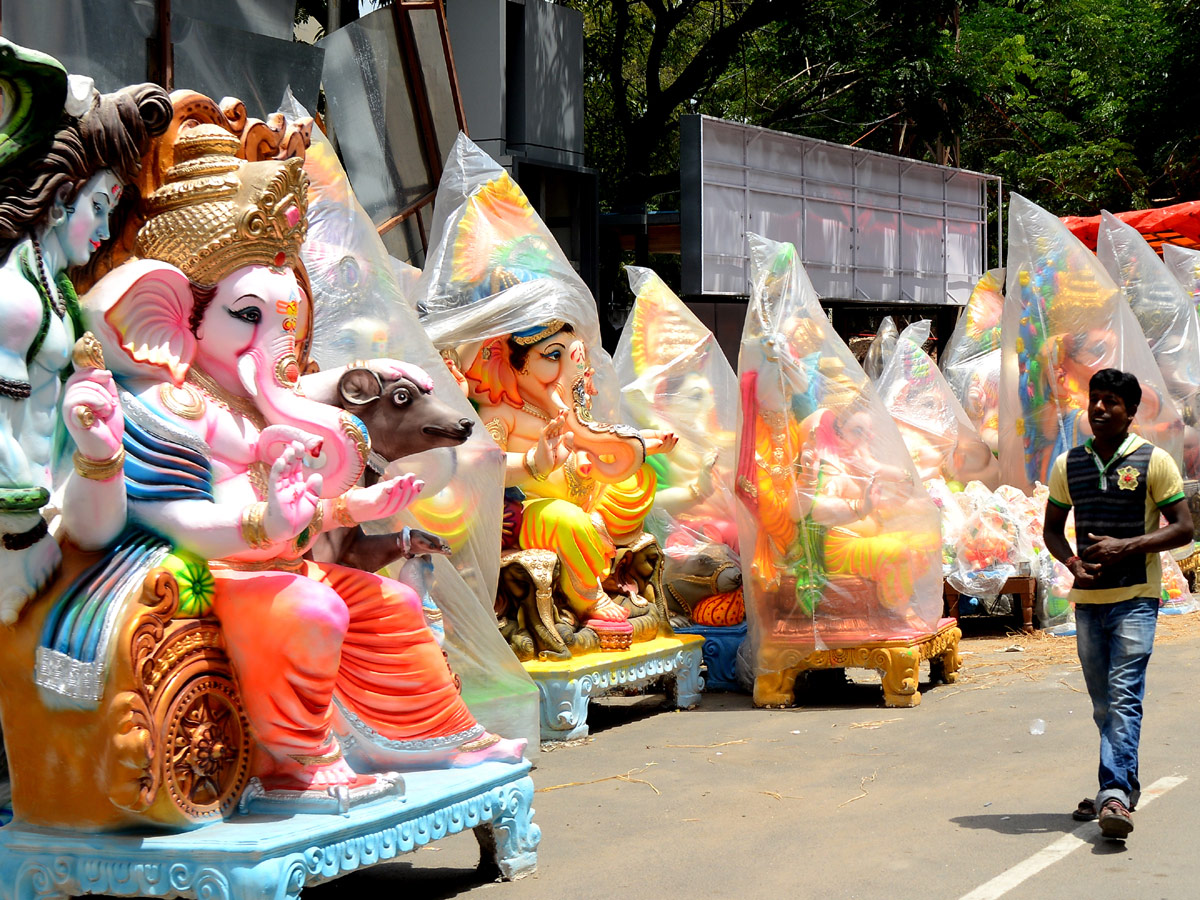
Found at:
<point>384,499</point>
<point>659,441</point>
<point>92,413</point>
<point>554,445</point>
<point>292,498</point>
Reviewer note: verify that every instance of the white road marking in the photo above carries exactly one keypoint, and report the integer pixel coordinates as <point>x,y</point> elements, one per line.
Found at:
<point>1026,869</point>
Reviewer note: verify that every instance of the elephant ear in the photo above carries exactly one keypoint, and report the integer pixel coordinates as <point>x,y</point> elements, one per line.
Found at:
<point>143,308</point>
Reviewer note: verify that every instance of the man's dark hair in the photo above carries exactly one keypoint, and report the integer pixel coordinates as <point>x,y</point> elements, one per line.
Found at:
<point>1124,384</point>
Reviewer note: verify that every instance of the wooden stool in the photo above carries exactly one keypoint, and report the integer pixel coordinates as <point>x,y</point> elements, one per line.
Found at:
<point>1024,586</point>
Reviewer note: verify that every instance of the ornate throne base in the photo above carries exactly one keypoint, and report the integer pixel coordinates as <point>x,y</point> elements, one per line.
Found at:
<point>720,654</point>
<point>565,688</point>
<point>260,857</point>
<point>897,660</point>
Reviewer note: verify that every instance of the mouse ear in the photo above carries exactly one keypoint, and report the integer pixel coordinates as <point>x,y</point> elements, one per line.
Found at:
<point>359,387</point>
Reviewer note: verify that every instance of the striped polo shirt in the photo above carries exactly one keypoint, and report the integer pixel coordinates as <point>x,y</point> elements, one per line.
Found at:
<point>1119,499</point>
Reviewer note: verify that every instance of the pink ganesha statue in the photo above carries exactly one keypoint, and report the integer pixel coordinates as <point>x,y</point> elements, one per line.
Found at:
<point>237,460</point>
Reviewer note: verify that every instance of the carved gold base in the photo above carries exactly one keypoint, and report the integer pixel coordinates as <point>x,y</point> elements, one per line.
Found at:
<point>1190,563</point>
<point>166,744</point>
<point>898,661</point>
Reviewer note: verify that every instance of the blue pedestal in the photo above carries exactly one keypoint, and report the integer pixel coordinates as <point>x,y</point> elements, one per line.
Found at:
<point>259,857</point>
<point>720,654</point>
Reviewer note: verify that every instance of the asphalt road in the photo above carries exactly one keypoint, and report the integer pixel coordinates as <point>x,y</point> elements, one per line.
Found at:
<point>843,798</point>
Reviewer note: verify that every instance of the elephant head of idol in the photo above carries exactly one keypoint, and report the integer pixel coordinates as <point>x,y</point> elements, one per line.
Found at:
<point>218,294</point>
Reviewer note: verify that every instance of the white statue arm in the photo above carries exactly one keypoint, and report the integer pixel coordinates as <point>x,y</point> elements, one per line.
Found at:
<point>20,306</point>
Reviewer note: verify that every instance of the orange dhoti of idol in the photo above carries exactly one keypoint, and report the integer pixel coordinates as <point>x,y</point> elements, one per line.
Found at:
<point>338,649</point>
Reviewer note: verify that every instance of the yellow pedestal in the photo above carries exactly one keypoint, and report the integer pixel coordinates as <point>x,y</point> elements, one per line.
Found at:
<point>897,660</point>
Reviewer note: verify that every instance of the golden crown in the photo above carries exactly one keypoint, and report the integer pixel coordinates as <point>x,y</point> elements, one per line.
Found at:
<point>216,213</point>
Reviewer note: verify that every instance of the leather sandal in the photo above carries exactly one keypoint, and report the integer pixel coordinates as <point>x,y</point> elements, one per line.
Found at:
<point>1115,821</point>
<point>1085,811</point>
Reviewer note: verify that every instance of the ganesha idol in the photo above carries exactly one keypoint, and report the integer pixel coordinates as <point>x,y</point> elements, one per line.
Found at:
<point>839,539</point>
<point>586,491</point>
<point>204,647</point>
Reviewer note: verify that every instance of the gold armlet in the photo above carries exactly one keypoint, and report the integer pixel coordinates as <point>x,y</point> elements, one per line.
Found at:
<point>694,490</point>
<point>497,432</point>
<point>253,527</point>
<point>100,470</point>
<point>341,513</point>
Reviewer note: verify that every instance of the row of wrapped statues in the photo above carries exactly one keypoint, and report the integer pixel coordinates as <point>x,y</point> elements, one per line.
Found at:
<point>284,516</point>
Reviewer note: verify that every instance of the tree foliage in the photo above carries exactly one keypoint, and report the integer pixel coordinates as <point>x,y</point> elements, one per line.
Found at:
<point>1078,104</point>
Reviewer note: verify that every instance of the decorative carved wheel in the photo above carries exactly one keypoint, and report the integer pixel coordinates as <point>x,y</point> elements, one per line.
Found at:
<point>206,737</point>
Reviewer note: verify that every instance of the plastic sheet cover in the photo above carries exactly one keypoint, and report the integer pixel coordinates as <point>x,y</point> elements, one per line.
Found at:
<point>482,224</point>
<point>991,546</point>
<point>971,360</point>
<point>881,348</point>
<point>1177,598</point>
<point>841,544</point>
<point>940,438</point>
<point>675,377</point>
<point>1064,319</point>
<point>359,312</point>
<point>1184,264</point>
<point>1166,313</point>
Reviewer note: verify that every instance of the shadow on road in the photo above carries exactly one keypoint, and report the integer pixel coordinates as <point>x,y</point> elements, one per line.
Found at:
<point>1040,823</point>
<point>1024,823</point>
<point>416,883</point>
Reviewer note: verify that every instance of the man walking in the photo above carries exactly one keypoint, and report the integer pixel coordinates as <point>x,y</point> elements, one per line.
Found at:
<point>1118,484</point>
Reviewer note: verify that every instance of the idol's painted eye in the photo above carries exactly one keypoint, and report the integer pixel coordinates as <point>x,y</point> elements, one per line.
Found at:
<point>251,314</point>
<point>401,397</point>
<point>553,355</point>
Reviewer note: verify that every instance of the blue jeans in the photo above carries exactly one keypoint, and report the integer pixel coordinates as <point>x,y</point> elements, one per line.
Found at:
<point>1115,641</point>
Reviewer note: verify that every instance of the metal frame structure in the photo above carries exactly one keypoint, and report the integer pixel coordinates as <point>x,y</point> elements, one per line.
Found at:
<point>419,94</point>
<point>702,253</point>
<point>162,71</point>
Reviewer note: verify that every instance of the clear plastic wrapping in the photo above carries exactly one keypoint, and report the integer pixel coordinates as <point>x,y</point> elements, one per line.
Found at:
<point>952,516</point>
<point>1167,314</point>
<point>940,438</point>
<point>971,360</point>
<point>675,377</point>
<point>1177,598</point>
<point>840,542</point>
<point>494,268</point>
<point>1064,319</point>
<point>499,297</point>
<point>360,312</point>
<point>991,546</point>
<point>1184,264</point>
<point>880,349</point>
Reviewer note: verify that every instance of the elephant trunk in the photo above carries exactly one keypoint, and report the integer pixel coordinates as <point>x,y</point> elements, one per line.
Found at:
<point>272,380</point>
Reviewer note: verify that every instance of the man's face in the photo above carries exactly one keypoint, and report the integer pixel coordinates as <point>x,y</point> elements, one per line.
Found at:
<point>1107,414</point>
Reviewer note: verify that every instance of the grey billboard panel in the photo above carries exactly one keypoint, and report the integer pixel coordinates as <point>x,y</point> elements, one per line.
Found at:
<point>868,226</point>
